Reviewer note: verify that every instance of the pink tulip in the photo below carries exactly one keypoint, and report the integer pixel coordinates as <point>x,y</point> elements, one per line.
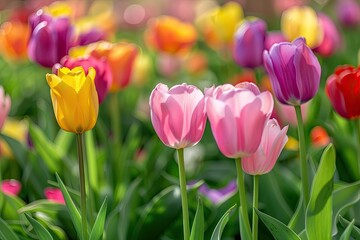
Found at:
<point>178,114</point>
<point>54,195</point>
<point>237,117</point>
<point>5,104</point>
<point>272,142</point>
<point>11,187</point>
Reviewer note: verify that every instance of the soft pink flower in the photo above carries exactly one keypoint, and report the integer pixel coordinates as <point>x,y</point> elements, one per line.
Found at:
<point>286,114</point>
<point>272,142</point>
<point>11,187</point>
<point>237,117</point>
<point>178,114</point>
<point>54,195</point>
<point>331,39</point>
<point>5,104</point>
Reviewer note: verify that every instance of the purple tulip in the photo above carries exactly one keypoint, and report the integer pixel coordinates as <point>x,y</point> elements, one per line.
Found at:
<point>249,43</point>
<point>50,39</point>
<point>348,12</point>
<point>91,36</point>
<point>294,71</point>
<point>217,196</point>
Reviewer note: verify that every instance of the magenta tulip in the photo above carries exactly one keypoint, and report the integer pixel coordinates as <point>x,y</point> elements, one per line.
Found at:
<point>331,38</point>
<point>5,104</point>
<point>294,71</point>
<point>348,12</point>
<point>178,114</point>
<point>54,195</point>
<point>11,187</point>
<point>237,117</point>
<point>272,142</point>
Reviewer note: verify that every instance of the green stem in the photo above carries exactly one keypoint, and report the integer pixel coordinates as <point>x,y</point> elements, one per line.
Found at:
<point>357,124</point>
<point>242,196</point>
<point>183,191</point>
<point>303,166</point>
<point>255,206</point>
<point>82,186</point>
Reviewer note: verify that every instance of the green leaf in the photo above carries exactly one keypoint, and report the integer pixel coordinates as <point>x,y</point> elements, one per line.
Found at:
<point>6,232</point>
<point>216,235</point>
<point>63,141</point>
<point>197,230</point>
<point>91,160</point>
<point>42,205</point>
<point>45,148</point>
<point>17,148</point>
<point>40,230</point>
<point>98,228</point>
<point>355,231</point>
<point>319,211</point>
<point>346,234</point>
<point>73,211</point>
<point>279,230</point>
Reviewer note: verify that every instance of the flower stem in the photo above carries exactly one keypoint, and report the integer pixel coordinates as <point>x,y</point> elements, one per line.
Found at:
<point>183,191</point>
<point>242,196</point>
<point>255,206</point>
<point>303,166</point>
<point>79,141</point>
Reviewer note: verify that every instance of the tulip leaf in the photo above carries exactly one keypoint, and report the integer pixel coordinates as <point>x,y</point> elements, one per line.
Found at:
<point>346,234</point>
<point>98,228</point>
<point>197,230</point>
<point>91,160</point>
<point>278,229</point>
<point>355,230</point>
<point>216,235</point>
<point>45,148</point>
<point>319,210</point>
<point>6,232</point>
<point>43,205</point>
<point>40,230</point>
<point>73,211</point>
<point>63,141</point>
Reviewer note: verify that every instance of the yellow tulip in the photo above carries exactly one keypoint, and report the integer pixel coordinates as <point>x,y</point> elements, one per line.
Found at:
<point>302,22</point>
<point>74,98</point>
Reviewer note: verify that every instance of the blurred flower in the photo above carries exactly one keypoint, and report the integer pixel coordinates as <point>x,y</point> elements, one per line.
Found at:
<point>319,137</point>
<point>294,71</point>
<point>282,5</point>
<point>342,88</point>
<point>302,22</point>
<point>196,62</point>
<point>50,39</point>
<point>103,76</point>
<point>15,129</point>
<point>249,43</point>
<point>286,114</point>
<point>120,57</point>
<point>272,38</point>
<point>292,144</point>
<point>218,25</point>
<point>246,75</point>
<point>74,98</point>
<point>11,187</point>
<point>217,196</point>
<point>168,65</point>
<point>331,39</point>
<point>14,36</point>
<point>178,114</point>
<point>142,69</point>
<point>54,195</point>
<point>272,142</point>
<point>348,12</point>
<point>59,9</point>
<point>237,117</point>
<point>91,36</point>
<point>5,104</point>
<point>170,35</point>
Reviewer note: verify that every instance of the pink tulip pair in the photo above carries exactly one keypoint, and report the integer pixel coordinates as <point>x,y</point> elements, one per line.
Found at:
<point>238,117</point>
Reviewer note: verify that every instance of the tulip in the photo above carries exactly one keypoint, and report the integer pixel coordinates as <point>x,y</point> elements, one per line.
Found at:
<point>170,35</point>
<point>319,137</point>
<point>331,39</point>
<point>272,142</point>
<point>272,38</point>
<point>74,98</point>
<point>237,117</point>
<point>11,187</point>
<point>103,76</point>
<point>348,12</point>
<point>249,43</point>
<point>142,69</point>
<point>91,36</point>
<point>342,90</point>
<point>14,36</point>
<point>54,195</point>
<point>294,71</point>
<point>217,196</point>
<point>301,22</point>
<point>5,104</point>
<point>286,114</point>
<point>50,39</point>
<point>178,114</point>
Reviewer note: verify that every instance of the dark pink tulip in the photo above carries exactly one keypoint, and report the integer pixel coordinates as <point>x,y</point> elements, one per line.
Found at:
<point>103,78</point>
<point>331,37</point>
<point>178,114</point>
<point>249,43</point>
<point>5,104</point>
<point>11,187</point>
<point>91,36</point>
<point>54,195</point>
<point>272,142</point>
<point>294,71</point>
<point>237,117</point>
<point>348,12</point>
<point>272,38</point>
